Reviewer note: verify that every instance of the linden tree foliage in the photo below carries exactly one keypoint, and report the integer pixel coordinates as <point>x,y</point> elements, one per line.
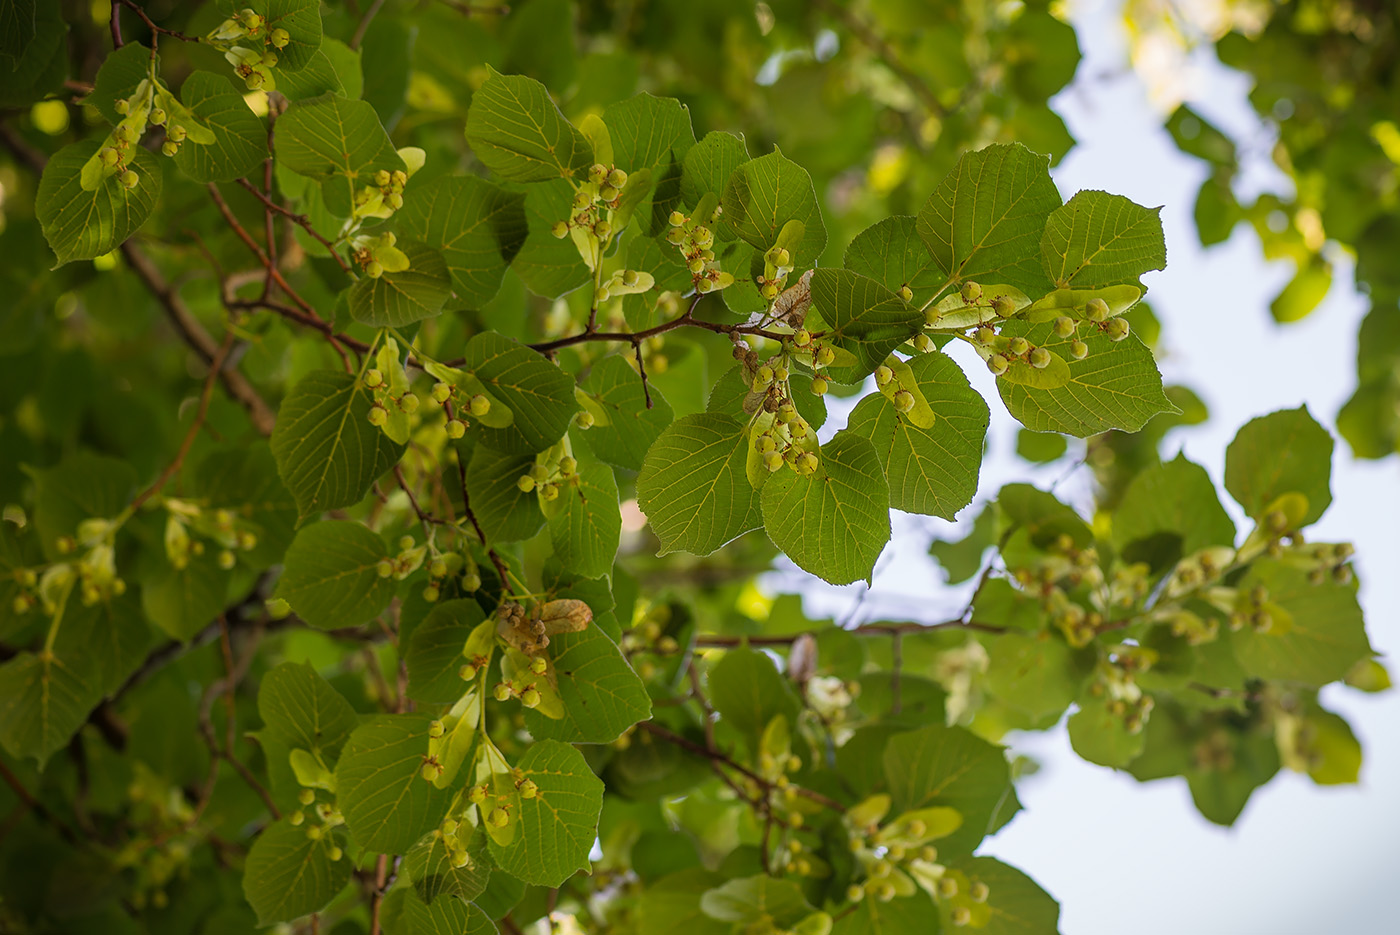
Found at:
<point>401,405</point>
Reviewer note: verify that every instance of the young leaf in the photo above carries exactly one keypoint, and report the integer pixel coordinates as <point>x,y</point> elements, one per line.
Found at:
<point>985,219</point>
<point>288,875</point>
<point>302,710</point>
<point>835,522</point>
<point>44,699</point>
<point>182,600</point>
<point>302,21</point>
<point>949,766</point>
<point>1097,239</point>
<point>338,142</point>
<point>331,575</point>
<point>709,163</point>
<point>519,134</point>
<point>477,227</point>
<point>558,825</point>
<point>1016,904</point>
<point>891,253</point>
<point>506,513</point>
<point>435,651</point>
<point>1328,635</point>
<point>327,451</point>
<point>1176,498</point>
<point>866,319</point>
<point>934,470</point>
<point>749,692</point>
<point>81,224</point>
<point>692,485</point>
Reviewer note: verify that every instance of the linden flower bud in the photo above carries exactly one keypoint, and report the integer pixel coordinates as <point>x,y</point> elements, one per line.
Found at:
<point>1064,326</point>
<point>315,833</point>
<point>1018,347</point>
<point>378,416</point>
<point>769,291</point>
<point>997,364</point>
<point>373,378</point>
<point>501,692</point>
<point>385,568</point>
<point>335,853</point>
<point>431,771</point>
<point>903,400</point>
<point>597,173</point>
<point>436,729</point>
<point>525,483</point>
<point>602,230</point>
<point>296,818</point>
<point>530,697</point>
<point>306,796</point>
<point>567,465</point>
<point>456,428</point>
<point>906,293</point>
<point>825,356</point>
<point>807,464</point>
<point>584,420</point>
<point>961,915</point>
<point>176,134</point>
<point>883,375</point>
<point>1079,349</point>
<point>1040,358</point>
<point>480,405</point>
<point>499,817</point>
<point>441,392</point>
<point>1004,306</point>
<point>802,338</point>
<point>122,107</point>
<point>984,336</point>
<point>608,193</point>
<point>431,593</point>
<point>157,116</point>
<point>971,292</point>
<point>528,789</point>
<point>471,581</point>
<point>764,444</point>
<point>676,219</point>
<point>947,887</point>
<point>928,853</point>
<point>169,148</point>
<point>110,156</point>
<point>373,269</point>
<point>227,560</point>
<point>255,80</point>
<point>1096,310</point>
<point>820,385</point>
<point>978,892</point>
<point>278,608</point>
<point>539,665</point>
<point>855,893</point>
<point>923,343</point>
<point>409,402</point>
<point>762,377</point>
<point>437,568</point>
<point>280,38</point>
<point>1118,329</point>
<point>772,461</point>
<point>130,179</point>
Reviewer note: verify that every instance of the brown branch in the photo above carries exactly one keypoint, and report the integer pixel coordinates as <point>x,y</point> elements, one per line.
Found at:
<point>381,876</point>
<point>868,629</point>
<point>156,31</point>
<point>363,26</point>
<point>37,807</point>
<point>300,220</point>
<point>116,25</point>
<point>197,338</point>
<point>642,370</point>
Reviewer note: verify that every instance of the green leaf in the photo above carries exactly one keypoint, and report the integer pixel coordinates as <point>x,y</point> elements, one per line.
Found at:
<point>548,266</point>
<point>709,163</point>
<point>387,803</point>
<point>631,427</point>
<point>949,766</point>
<point>302,710</point>
<point>244,481</point>
<point>16,29</point>
<point>748,692</point>
<point>519,134</point>
<point>1328,635</point>
<point>400,298</point>
<point>934,470</point>
<point>962,558</point>
<point>301,19</point>
<point>44,699</point>
<point>445,916</point>
<point>1033,672</point>
<point>42,64</point>
<point>587,525</point>
<point>287,875</point>
<point>81,225</point>
<point>240,137</point>
<point>865,318</point>
<point>538,393</point>
<point>558,826</point>
<point>81,486</point>
<point>477,227</point>
<point>1175,498</point>
<point>327,452</point>
<point>1304,292</point>
<point>331,575</point>
<point>892,254</point>
<point>435,651</point>
<point>430,866</point>
<point>121,72</point>
<point>693,487</point>
<point>317,78</point>
<point>1283,452</point>
<point>602,695</point>
<point>764,194</point>
<point>1016,903</point>
<point>757,899</point>
<point>1116,386</point>
<point>672,904</point>
<point>338,142</point>
<point>1100,736</point>
<point>835,522</point>
<point>1097,239</point>
<point>647,129</point>
<point>506,513</point>
<point>985,219</point>
<point>182,600</point>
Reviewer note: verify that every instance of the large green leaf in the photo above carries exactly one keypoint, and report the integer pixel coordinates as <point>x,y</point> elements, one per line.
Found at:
<point>834,522</point>
<point>331,575</point>
<point>865,318</point>
<point>338,142</point>
<point>1283,452</point>
<point>1327,636</point>
<point>431,867</point>
<point>16,30</point>
<point>81,225</point>
<point>407,914</point>
<point>1116,386</point>
<point>933,470</point>
<point>1033,672</point>
<point>912,915</point>
<point>539,394</point>
<point>939,765</point>
<point>709,163</point>
<point>558,826</point>
<point>547,265</point>
<point>506,513</point>
<point>1016,904</point>
<point>182,600</point>
<point>477,227</point>
<point>81,486</point>
<point>518,133</point>
<point>327,452</point>
<point>748,692</point>
<point>602,695</point>
<point>672,904</point>
<point>400,298</point>
<point>586,522</point>
<point>763,195</point>
<point>891,253</point>
<point>288,875</point>
<point>300,18</point>
<point>301,709</point>
<point>240,137</point>
<point>435,651</point>
<point>645,129</point>
<point>45,698</point>
<point>1100,736</point>
<point>1097,239</point>
<point>387,803</point>
<point>693,485</point>
<point>1176,498</point>
<point>631,427</point>
<point>757,901</point>
<point>985,219</point>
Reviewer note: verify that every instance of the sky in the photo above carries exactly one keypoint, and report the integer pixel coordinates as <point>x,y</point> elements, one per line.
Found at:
<point>1122,856</point>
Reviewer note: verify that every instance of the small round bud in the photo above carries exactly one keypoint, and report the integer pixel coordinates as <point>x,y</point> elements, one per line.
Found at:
<point>466,672</point>
<point>528,789</point>
<point>169,148</point>
<point>501,691</point>
<point>335,853</point>
<point>984,336</point>
<point>280,38</point>
<point>676,219</point>
<point>772,461</point>
<point>928,853</point>
<point>903,400</point>
<point>479,405</point>
<point>499,817</point>
<point>560,229</point>
<point>306,796</point>
<point>431,770</point>
<point>525,483</point>
<point>431,593</point>
<point>608,193</point>
<point>296,818</point>
<point>538,665</point>
<point>436,729</point>
<point>255,80</point>
<point>1040,358</point>
<point>971,292</point>
<point>110,156</point>
<point>906,293</point>
<point>378,416</point>
<point>802,338</point>
<point>157,116</point>
<point>825,356</point>
<point>597,173</point>
<point>1003,306</point>
<point>227,559</point>
<point>437,568</point>
<point>883,375</point>
<point>820,385</point>
<point>471,581</point>
<point>1118,328</point>
<point>978,892</point>
<point>530,697</point>
<point>1064,326</point>
<point>176,134</point>
<point>997,364</point>
<point>477,795</point>
<point>770,291</point>
<point>409,402</point>
<point>1096,310</point>
<point>1018,347</point>
<point>923,343</point>
<point>373,378</point>
<point>961,915</point>
<point>584,420</point>
<point>315,833</point>
<point>129,179</point>
<point>122,107</point>
<point>602,230</point>
<point>807,464</point>
<point>550,492</point>
<point>278,608</point>
<point>567,466</point>
<point>442,392</point>
<point>455,428</point>
<point>374,269</point>
<point>855,893</point>
<point>762,377</point>
<point>384,568</point>
<point>126,133</point>
<point>1079,350</point>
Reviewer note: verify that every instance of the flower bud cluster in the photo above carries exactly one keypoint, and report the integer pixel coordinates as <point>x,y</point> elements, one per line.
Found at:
<point>696,242</point>
<point>220,526</point>
<point>251,47</point>
<point>778,432</point>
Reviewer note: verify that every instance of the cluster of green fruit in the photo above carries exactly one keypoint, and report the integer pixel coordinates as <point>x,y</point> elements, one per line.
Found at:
<point>250,47</point>
<point>1063,568</point>
<point>380,200</point>
<point>328,818</point>
<point>455,836</point>
<point>446,395</point>
<point>780,435</point>
<point>441,566</point>
<point>1115,680</point>
<point>695,241</point>
<point>552,470</point>
<point>220,526</point>
<point>1000,351</point>
<point>645,640</point>
<point>591,221</point>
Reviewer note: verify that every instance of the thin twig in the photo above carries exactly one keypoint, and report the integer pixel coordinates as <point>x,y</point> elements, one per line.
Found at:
<point>882,49</point>
<point>300,220</point>
<point>365,20</point>
<point>37,807</point>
